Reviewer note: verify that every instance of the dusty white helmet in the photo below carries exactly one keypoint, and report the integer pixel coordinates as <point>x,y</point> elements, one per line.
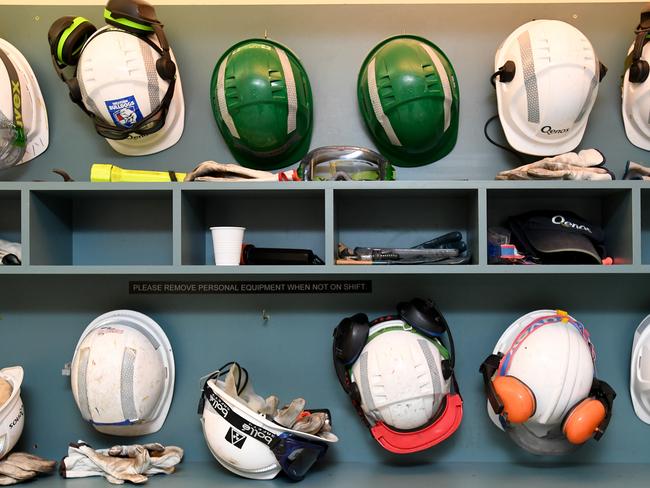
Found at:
<point>12,413</point>
<point>640,371</point>
<point>249,444</point>
<point>546,79</point>
<point>122,374</point>
<point>28,114</point>
<point>119,83</point>
<point>399,375</point>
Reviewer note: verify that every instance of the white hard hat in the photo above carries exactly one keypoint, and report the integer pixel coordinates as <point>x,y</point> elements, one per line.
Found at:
<point>119,83</point>
<point>244,442</point>
<point>640,371</point>
<point>548,76</point>
<point>399,375</point>
<point>551,354</point>
<point>122,374</point>
<point>30,112</point>
<point>12,413</point>
<point>636,105</point>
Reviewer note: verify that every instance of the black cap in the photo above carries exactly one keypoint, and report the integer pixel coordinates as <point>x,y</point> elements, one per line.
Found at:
<point>558,237</point>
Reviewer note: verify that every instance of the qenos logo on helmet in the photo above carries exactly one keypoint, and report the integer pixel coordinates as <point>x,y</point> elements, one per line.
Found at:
<point>125,112</point>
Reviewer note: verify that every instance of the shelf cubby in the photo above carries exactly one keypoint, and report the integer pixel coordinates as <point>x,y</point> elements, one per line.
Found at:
<point>10,215</point>
<point>404,218</point>
<point>106,227</point>
<point>287,219</point>
<point>610,208</point>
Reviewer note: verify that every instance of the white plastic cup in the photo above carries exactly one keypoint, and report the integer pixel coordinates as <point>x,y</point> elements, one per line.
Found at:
<point>227,242</point>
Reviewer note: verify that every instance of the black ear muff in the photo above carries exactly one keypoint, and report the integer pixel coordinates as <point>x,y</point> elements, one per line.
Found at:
<point>422,315</point>
<point>67,36</point>
<point>137,16</point>
<point>506,73</point>
<point>602,71</point>
<point>639,71</point>
<point>166,68</point>
<point>349,338</point>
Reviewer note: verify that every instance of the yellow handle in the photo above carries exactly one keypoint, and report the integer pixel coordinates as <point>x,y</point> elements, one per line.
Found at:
<point>103,173</point>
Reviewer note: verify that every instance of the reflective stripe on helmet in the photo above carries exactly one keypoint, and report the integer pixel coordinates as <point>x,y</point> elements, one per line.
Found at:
<point>221,99</point>
<point>377,108</point>
<point>152,75</point>
<point>290,85</point>
<point>590,93</point>
<point>530,77</point>
<point>431,363</point>
<point>365,383</point>
<point>444,80</point>
<point>82,390</point>
<point>127,396</point>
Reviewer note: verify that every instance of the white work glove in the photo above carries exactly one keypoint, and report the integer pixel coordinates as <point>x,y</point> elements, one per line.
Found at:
<point>292,416</point>
<point>636,171</point>
<point>20,466</point>
<point>120,463</point>
<point>213,171</point>
<point>587,164</point>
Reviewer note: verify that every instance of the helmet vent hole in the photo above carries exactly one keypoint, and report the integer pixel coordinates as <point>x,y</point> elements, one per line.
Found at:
<point>430,77</point>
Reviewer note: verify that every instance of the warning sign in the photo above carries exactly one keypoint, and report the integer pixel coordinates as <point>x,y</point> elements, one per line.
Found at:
<point>249,287</point>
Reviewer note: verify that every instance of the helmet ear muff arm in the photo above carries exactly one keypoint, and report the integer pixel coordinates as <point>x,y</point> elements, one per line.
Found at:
<point>425,316</point>
<point>639,68</point>
<point>487,369</point>
<point>605,393</point>
<point>506,73</point>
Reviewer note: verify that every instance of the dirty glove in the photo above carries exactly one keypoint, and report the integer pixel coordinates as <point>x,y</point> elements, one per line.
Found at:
<point>636,171</point>
<point>20,466</point>
<point>587,164</point>
<point>120,463</point>
<point>213,171</point>
<point>292,416</point>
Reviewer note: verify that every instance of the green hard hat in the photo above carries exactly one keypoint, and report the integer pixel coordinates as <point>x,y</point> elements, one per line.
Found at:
<point>261,100</point>
<point>408,95</point>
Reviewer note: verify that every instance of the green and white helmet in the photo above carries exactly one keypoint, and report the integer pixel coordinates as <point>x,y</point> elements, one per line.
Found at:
<point>408,96</point>
<point>261,99</point>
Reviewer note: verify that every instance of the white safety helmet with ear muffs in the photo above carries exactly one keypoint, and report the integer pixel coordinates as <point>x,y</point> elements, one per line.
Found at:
<point>119,83</point>
<point>122,374</point>
<point>541,387</point>
<point>636,87</point>
<point>640,371</point>
<point>547,76</point>
<point>24,132</point>
<point>12,413</point>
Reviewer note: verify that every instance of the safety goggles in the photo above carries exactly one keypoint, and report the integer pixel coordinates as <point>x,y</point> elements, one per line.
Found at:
<point>345,163</point>
<point>296,456</point>
<point>12,131</point>
<point>12,143</point>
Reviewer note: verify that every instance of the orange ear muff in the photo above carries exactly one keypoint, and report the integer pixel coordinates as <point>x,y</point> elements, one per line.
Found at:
<point>518,401</point>
<point>583,420</point>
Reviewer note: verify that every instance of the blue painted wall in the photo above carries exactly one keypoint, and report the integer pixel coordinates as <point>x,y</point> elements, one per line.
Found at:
<point>42,319</point>
<point>332,42</point>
